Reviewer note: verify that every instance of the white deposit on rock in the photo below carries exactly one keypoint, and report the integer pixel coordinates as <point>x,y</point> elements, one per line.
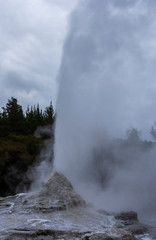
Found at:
<point>37,216</point>
<point>58,194</point>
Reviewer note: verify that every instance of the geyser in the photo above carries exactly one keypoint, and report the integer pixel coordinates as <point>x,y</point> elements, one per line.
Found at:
<point>107,84</point>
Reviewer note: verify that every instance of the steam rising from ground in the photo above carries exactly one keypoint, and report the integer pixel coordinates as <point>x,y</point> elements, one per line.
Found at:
<point>41,172</point>
<point>107,84</point>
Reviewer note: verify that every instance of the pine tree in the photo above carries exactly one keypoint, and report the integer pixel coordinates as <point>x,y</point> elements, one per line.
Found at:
<point>12,118</point>
<point>49,114</point>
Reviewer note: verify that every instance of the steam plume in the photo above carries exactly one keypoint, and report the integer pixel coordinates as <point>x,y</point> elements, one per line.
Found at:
<point>107,82</point>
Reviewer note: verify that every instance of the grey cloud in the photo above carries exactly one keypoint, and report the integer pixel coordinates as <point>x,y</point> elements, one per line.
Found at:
<point>18,82</point>
<point>31,38</point>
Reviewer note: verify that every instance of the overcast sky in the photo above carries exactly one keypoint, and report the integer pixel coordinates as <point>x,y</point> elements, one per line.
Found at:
<point>32,33</point>
<point>113,43</point>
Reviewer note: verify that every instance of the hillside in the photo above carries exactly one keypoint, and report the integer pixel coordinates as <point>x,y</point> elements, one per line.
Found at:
<point>19,146</point>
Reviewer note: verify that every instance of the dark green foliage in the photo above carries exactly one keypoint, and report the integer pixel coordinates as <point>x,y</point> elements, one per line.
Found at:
<point>13,120</point>
<point>19,147</point>
<point>17,154</point>
<point>13,111</point>
<point>49,114</point>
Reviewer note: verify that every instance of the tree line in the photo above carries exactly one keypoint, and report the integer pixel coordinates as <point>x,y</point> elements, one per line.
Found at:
<point>14,120</point>
<point>19,147</point>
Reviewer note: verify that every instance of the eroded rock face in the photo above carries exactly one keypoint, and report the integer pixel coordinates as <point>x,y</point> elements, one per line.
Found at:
<point>127,216</point>
<point>57,194</point>
<point>58,212</point>
<point>131,224</point>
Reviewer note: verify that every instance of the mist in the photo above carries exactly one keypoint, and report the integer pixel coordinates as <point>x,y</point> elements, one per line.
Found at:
<point>41,171</point>
<point>107,85</point>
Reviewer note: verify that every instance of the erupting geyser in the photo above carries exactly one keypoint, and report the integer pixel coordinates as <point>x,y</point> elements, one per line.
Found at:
<point>107,84</point>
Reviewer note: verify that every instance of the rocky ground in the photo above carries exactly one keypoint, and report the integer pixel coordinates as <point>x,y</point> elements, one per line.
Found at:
<point>58,212</point>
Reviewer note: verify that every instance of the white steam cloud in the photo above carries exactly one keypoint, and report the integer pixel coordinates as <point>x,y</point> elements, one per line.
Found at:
<point>107,84</point>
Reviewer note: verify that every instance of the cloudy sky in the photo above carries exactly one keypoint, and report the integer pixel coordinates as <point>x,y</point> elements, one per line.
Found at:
<point>109,56</point>
<point>32,33</point>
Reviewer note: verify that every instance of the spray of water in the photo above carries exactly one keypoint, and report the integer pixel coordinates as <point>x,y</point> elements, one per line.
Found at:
<point>107,84</point>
